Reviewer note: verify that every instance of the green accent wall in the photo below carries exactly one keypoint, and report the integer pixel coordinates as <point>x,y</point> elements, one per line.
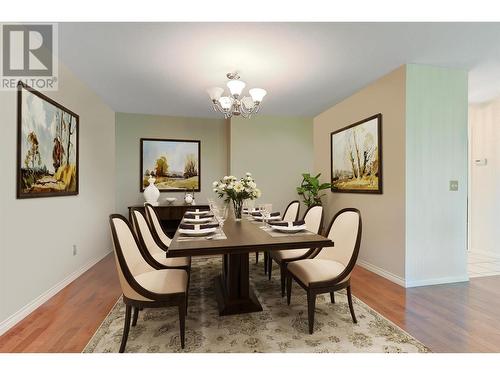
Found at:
<point>130,128</point>
<point>276,150</point>
<point>436,152</point>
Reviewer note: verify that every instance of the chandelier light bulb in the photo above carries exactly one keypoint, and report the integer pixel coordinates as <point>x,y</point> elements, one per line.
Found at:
<point>225,102</point>
<point>215,92</point>
<point>257,94</point>
<point>236,87</point>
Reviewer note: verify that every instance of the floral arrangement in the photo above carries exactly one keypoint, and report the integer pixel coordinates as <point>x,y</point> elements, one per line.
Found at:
<point>230,188</point>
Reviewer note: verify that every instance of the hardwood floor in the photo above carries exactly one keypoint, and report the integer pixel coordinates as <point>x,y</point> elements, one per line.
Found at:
<point>68,320</point>
<point>461,317</point>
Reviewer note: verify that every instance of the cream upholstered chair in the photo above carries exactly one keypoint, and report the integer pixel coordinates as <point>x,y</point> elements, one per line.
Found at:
<point>330,268</point>
<point>155,224</point>
<point>313,220</point>
<point>291,214</point>
<point>143,285</point>
<point>154,251</point>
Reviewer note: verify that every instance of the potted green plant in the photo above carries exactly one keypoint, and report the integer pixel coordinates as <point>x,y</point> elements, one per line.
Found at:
<point>310,189</point>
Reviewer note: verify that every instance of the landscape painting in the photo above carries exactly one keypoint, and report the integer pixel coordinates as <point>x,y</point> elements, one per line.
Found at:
<point>47,148</point>
<point>356,157</point>
<point>174,163</point>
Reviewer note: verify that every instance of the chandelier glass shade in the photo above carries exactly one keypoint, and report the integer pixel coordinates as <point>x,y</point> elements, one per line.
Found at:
<point>234,104</point>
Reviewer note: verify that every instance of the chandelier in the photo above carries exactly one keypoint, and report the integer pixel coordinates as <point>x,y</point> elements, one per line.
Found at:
<point>235,104</point>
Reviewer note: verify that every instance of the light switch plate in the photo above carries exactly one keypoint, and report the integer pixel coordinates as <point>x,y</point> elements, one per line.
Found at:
<point>453,185</point>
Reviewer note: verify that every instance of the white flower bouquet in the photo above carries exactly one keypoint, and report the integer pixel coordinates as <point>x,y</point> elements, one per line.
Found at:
<point>230,188</point>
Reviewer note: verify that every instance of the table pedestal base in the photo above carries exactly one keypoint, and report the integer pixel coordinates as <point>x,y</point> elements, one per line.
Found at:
<point>232,288</point>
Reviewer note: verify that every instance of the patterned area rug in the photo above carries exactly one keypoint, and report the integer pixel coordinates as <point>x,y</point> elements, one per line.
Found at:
<point>278,328</point>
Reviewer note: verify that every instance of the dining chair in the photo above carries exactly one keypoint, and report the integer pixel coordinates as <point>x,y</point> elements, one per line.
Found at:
<point>313,221</point>
<point>155,252</point>
<point>291,214</point>
<point>159,233</point>
<point>142,285</point>
<point>329,269</point>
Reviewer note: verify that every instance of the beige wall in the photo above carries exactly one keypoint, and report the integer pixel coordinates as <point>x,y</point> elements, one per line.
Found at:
<point>37,235</point>
<point>484,131</point>
<point>130,128</point>
<point>383,241</point>
<point>276,150</point>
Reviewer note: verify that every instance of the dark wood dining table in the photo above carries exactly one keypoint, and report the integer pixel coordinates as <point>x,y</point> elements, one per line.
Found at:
<point>233,290</point>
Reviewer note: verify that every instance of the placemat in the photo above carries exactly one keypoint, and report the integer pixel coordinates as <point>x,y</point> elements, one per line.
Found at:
<point>274,233</point>
<point>218,235</point>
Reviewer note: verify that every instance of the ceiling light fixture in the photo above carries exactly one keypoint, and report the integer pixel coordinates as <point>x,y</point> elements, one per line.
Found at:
<point>235,104</point>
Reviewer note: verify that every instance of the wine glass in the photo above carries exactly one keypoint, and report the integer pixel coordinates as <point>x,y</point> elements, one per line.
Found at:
<point>265,215</point>
<point>220,214</point>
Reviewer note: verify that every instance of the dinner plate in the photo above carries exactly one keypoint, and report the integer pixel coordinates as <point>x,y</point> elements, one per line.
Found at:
<point>197,232</point>
<point>289,229</point>
<point>199,220</point>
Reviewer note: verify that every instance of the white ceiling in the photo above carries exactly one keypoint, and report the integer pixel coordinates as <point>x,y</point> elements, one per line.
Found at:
<point>164,68</point>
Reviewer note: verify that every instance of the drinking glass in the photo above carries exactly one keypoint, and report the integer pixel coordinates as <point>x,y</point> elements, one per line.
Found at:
<point>265,216</point>
<point>221,213</point>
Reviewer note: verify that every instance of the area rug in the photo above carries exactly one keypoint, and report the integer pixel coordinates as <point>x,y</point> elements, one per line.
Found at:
<point>278,328</point>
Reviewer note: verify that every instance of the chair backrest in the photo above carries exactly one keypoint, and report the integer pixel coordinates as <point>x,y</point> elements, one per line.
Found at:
<point>314,218</point>
<point>129,260</point>
<point>155,225</point>
<point>144,235</point>
<point>345,232</point>
<point>292,211</point>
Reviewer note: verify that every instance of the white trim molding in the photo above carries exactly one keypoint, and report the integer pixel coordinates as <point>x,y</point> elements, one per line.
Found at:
<point>437,281</point>
<point>15,318</point>
<point>381,272</point>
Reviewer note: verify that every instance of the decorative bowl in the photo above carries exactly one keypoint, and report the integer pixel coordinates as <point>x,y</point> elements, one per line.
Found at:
<point>171,200</point>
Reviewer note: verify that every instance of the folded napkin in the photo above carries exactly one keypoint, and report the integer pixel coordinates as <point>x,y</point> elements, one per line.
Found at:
<point>260,214</point>
<point>196,216</point>
<point>196,209</point>
<point>289,223</point>
<point>198,226</point>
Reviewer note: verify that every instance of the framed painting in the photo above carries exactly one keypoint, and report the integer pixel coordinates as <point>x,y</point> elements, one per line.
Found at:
<point>356,157</point>
<point>175,163</point>
<point>47,146</point>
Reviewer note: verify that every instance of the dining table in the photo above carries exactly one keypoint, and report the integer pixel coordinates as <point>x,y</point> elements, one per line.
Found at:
<point>233,291</point>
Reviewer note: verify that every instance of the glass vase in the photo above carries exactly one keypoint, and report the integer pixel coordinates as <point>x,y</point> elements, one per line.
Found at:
<point>238,207</point>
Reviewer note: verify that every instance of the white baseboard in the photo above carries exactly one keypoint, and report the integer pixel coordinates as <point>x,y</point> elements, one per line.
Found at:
<point>381,272</point>
<point>488,253</point>
<point>40,300</point>
<point>437,281</point>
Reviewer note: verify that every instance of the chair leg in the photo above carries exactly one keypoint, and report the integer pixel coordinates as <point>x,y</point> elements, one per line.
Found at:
<point>182,320</point>
<point>351,307</point>
<point>256,257</point>
<point>269,267</point>
<point>288,288</point>
<point>282,277</point>
<point>311,305</point>
<point>187,288</point>
<point>266,259</point>
<point>136,315</point>
<point>332,297</point>
<point>126,327</point>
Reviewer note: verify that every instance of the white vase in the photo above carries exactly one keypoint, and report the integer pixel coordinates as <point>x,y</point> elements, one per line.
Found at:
<point>151,193</point>
<point>188,198</point>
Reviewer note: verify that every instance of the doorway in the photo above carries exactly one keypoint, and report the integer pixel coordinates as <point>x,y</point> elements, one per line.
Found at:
<point>484,190</point>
